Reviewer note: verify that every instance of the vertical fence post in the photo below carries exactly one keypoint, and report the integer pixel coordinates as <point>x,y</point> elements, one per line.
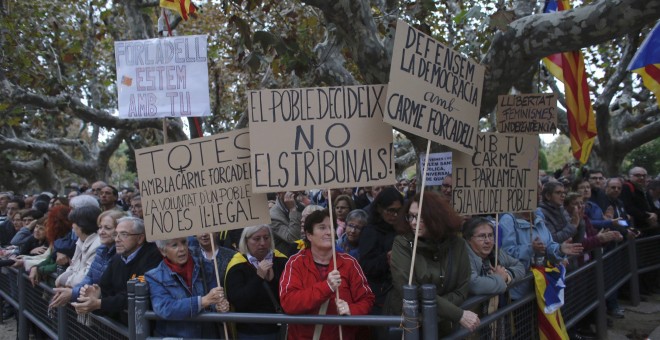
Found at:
<point>410,313</point>
<point>601,316</point>
<point>634,275</point>
<point>141,301</point>
<point>429,312</point>
<point>61,313</point>
<point>130,292</point>
<point>23,327</point>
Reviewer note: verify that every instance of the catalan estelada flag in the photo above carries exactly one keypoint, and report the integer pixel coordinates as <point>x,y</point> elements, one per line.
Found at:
<point>569,68</point>
<point>549,286</point>
<point>183,7</point>
<point>646,62</point>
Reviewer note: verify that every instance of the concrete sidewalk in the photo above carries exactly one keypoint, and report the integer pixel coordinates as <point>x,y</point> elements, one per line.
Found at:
<point>641,322</point>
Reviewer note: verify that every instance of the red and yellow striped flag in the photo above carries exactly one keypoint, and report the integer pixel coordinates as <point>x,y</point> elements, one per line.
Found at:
<point>646,62</point>
<point>183,7</point>
<point>568,67</point>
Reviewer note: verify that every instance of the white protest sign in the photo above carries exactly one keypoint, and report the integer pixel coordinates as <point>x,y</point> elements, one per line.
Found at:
<point>501,175</point>
<point>527,113</point>
<point>199,186</point>
<point>434,91</point>
<point>439,167</point>
<point>324,137</point>
<point>165,77</point>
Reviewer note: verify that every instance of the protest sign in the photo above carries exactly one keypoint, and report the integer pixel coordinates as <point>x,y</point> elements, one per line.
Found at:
<point>199,186</point>
<point>501,175</point>
<point>439,167</point>
<point>434,91</point>
<point>165,77</point>
<point>325,137</point>
<point>527,113</point>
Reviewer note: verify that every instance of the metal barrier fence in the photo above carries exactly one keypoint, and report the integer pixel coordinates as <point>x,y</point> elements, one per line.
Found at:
<point>587,290</point>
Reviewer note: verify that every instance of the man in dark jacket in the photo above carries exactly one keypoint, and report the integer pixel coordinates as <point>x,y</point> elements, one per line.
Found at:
<point>134,257</point>
<point>633,195</point>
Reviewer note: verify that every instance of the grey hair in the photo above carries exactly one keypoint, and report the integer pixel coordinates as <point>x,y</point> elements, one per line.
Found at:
<point>138,223</point>
<point>84,201</point>
<point>248,232</point>
<point>162,244</point>
<point>358,215</point>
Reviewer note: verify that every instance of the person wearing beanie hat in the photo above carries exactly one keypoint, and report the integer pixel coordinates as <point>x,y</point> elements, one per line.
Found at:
<point>84,220</point>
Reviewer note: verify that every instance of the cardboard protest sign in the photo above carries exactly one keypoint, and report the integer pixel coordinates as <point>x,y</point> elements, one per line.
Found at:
<point>165,77</point>
<point>199,186</point>
<point>501,175</point>
<point>439,167</point>
<point>434,91</point>
<point>325,137</point>
<point>528,113</point>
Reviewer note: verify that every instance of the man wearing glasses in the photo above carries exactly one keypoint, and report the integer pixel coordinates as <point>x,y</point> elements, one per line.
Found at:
<point>633,195</point>
<point>134,257</point>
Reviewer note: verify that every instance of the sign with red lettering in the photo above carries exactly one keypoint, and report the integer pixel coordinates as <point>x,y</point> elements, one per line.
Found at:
<point>527,113</point>
<point>165,77</point>
<point>199,186</point>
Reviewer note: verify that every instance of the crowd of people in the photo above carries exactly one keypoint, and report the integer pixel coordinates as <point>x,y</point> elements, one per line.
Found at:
<point>338,252</point>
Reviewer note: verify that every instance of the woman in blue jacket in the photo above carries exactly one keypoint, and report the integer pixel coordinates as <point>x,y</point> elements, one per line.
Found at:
<point>178,292</point>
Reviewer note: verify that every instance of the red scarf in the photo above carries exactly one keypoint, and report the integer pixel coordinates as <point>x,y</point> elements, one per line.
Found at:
<point>185,270</point>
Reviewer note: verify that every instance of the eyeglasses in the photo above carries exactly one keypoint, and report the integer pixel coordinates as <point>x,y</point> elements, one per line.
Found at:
<point>123,235</point>
<point>484,237</point>
<point>412,217</point>
<point>355,227</point>
<point>392,211</point>
<point>599,178</point>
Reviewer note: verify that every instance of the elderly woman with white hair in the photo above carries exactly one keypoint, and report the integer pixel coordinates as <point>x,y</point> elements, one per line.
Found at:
<point>252,280</point>
<point>179,291</point>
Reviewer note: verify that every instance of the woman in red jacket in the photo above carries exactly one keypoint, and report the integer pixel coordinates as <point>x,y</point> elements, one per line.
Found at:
<point>310,280</point>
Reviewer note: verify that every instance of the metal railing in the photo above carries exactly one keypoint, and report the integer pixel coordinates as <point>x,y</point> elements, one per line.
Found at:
<point>587,290</point>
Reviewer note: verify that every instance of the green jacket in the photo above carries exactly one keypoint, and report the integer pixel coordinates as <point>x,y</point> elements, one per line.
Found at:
<point>446,265</point>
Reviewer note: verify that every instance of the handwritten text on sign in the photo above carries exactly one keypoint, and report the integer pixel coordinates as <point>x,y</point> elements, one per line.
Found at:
<point>439,166</point>
<point>199,186</point>
<point>501,175</point>
<point>166,77</point>
<point>527,113</point>
<point>434,91</point>
<point>319,138</point>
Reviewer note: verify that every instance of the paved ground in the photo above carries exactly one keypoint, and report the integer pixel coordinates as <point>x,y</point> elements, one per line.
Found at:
<point>641,322</point>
